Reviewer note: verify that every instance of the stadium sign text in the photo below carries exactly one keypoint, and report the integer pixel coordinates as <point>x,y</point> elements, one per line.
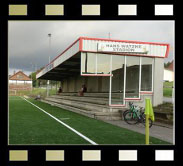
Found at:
<point>122,47</point>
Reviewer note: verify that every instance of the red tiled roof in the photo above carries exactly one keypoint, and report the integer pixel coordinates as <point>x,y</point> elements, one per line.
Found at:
<point>170,66</point>
<point>23,78</point>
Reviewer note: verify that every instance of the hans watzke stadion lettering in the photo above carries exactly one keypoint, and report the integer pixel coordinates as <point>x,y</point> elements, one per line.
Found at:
<point>123,47</point>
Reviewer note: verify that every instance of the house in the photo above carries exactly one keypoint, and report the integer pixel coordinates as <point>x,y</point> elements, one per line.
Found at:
<point>20,81</point>
<point>169,73</point>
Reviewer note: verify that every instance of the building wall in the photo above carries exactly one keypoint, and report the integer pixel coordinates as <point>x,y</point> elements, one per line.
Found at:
<point>168,75</point>
<point>71,84</point>
<point>64,85</point>
<point>105,84</point>
<point>92,84</point>
<point>19,82</point>
<point>79,82</point>
<point>158,81</point>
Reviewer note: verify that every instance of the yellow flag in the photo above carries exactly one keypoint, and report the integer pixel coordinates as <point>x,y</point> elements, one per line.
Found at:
<point>149,109</point>
<point>151,112</point>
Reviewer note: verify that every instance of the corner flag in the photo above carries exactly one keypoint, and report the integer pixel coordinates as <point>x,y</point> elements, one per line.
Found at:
<point>149,109</point>
<point>149,114</point>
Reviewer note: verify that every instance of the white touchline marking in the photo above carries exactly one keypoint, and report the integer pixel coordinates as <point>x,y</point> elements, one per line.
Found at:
<point>78,133</point>
<point>64,118</point>
<point>14,99</point>
<point>26,96</point>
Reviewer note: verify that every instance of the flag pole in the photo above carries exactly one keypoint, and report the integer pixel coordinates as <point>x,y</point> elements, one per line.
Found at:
<point>147,129</point>
<point>149,115</point>
<point>147,111</point>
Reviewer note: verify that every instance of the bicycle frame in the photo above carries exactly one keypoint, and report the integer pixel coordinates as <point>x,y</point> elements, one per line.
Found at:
<point>134,111</point>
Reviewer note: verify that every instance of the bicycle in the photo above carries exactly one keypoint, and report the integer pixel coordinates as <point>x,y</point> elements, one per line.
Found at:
<point>135,115</point>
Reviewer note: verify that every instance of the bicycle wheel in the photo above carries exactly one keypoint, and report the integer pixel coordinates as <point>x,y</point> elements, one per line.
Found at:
<point>125,112</point>
<point>144,120</point>
<point>131,117</point>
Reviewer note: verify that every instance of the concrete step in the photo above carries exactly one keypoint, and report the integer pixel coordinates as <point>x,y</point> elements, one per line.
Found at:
<point>84,105</point>
<point>101,101</point>
<point>91,114</point>
<point>90,94</point>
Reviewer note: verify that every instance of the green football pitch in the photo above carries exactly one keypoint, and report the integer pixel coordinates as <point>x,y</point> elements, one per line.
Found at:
<point>33,122</point>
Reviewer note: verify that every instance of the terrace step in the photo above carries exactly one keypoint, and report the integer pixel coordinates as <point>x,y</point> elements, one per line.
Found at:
<point>91,94</point>
<point>94,100</point>
<point>83,105</point>
<point>92,114</point>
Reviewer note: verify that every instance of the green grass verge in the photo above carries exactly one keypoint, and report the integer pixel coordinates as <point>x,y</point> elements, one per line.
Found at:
<point>36,91</point>
<point>28,125</point>
<point>167,83</point>
<point>167,92</point>
<point>167,89</point>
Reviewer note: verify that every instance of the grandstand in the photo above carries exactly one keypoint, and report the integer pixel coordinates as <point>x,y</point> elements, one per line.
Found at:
<point>114,72</point>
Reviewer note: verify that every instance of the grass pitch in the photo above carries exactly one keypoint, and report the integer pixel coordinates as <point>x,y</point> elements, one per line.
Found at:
<point>28,125</point>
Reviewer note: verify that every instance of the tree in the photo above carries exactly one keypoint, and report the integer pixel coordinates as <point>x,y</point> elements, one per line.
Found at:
<point>40,82</point>
<point>167,64</point>
<point>33,77</point>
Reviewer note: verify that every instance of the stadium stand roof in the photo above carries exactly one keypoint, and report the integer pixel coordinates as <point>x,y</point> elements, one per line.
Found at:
<point>68,63</point>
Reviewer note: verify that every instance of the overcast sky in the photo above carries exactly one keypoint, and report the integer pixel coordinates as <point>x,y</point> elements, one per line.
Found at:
<point>28,41</point>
